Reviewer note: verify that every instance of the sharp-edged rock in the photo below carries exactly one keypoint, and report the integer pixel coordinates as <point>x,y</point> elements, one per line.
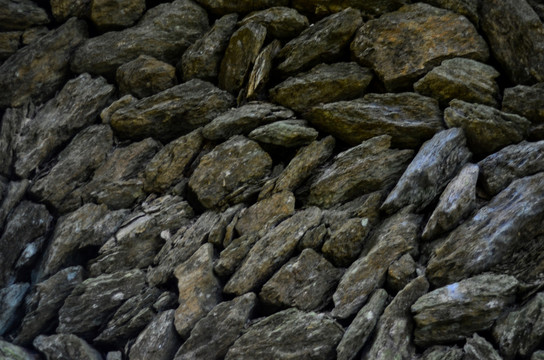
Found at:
<point>65,9</point>
<point>401,272</point>
<point>527,101</point>
<point>440,352</point>
<point>468,8</point>
<point>108,111</point>
<point>280,22</point>
<point>9,43</point>
<point>346,242</point>
<point>266,213</point>
<point>65,346</point>
<point>478,348</point>
<point>221,7</point>
<point>159,340</point>
<point>233,255</point>
<point>14,352</point>
<point>260,74</point>
<point>12,195</point>
<point>286,133</point>
<point>369,8</point>
<point>21,14</point>
<point>115,14</point>
<point>11,298</point>
<point>145,76</point>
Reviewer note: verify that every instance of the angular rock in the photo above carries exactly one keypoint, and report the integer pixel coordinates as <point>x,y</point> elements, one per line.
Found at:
<point>145,76</point>
<point>410,119</point>
<point>9,43</point>
<point>459,309</point>
<point>106,114</point>
<point>405,44</point>
<point>538,355</point>
<point>199,289</point>
<point>221,327</point>
<point>12,195</point>
<point>12,121</point>
<point>271,252</point>
<point>158,341</point>
<point>527,101</point>
<point>31,35</point>
<point>345,243</point>
<point>11,298</point>
<point>65,346</point>
<point>289,334</point>
<point>400,273</point>
<point>468,8</point>
<point>65,9</point>
<point>37,71</point>
<point>233,255</point>
<point>286,133</point>
<point>266,213</point>
<point>369,8</point>
<point>478,348</point>
<point>222,7</point>
<point>171,113</point>
<point>224,228</point>
<point>516,38</point>
<point>395,237</point>
<point>323,84</point>
<point>443,353</point>
<point>21,14</point>
<point>462,79</point>
<point>115,14</point>
<point>14,352</point>
<point>322,42</point>
<point>164,32</point>
<point>280,22</point>
<point>487,129</point>
<point>362,169</point>
<point>260,74</point>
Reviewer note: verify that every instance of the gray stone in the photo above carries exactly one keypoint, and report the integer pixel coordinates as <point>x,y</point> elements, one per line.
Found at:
<point>400,273</point>
<point>65,9</point>
<point>265,213</point>
<point>106,114</point>
<point>468,8</point>
<point>222,7</point>
<point>31,35</point>
<point>260,74</point>
<point>145,76</point>
<point>538,355</point>
<point>286,133</point>
<point>12,121</point>
<point>21,14</point>
<point>439,352</point>
<point>369,8</point>
<point>115,14</point>
<point>12,195</point>
<point>65,346</point>
<point>223,230</point>
<point>527,101</point>
<point>280,22</point>
<point>478,348</point>
<point>9,43</point>
<point>233,255</point>
<point>346,242</point>
<point>14,352</point>
<point>159,340</point>
<point>11,298</point>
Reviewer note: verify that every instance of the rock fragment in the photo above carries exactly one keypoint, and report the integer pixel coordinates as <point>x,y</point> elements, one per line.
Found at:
<point>440,352</point>
<point>222,7</point>
<point>479,348</point>
<point>468,8</point>
<point>401,272</point>
<point>11,298</point>
<point>66,346</point>
<point>280,22</point>
<point>65,9</point>
<point>115,14</point>
<point>266,213</point>
<point>260,74</point>
<point>372,8</point>
<point>145,76</point>
<point>286,133</point>
<point>16,352</point>
<point>527,101</point>
<point>159,340</point>
<point>21,14</point>
<point>346,242</point>
<point>9,43</point>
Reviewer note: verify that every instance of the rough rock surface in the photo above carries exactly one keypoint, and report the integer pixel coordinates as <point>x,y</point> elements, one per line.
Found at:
<point>11,298</point>
<point>280,22</point>
<point>145,76</point>
<point>115,14</point>
<point>66,346</point>
<point>286,133</point>
<point>372,8</point>
<point>479,348</point>
<point>21,14</point>
<point>527,101</point>
<point>158,341</point>
<point>223,7</point>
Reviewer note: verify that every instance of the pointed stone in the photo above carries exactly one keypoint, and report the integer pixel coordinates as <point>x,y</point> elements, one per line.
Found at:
<point>280,22</point>
<point>66,346</point>
<point>145,76</point>
<point>286,133</point>
<point>527,101</point>
<point>159,340</point>
<point>21,14</point>
<point>11,298</point>
<point>266,213</point>
<point>478,348</point>
<point>258,79</point>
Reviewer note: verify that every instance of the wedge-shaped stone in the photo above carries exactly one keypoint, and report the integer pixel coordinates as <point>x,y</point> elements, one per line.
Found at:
<point>527,101</point>
<point>222,7</point>
<point>66,346</point>
<point>266,213</point>
<point>457,310</point>
<point>9,43</point>
<point>159,340</point>
<point>145,76</point>
<point>346,241</point>
<point>16,352</point>
<point>370,8</point>
<point>234,254</point>
<point>405,44</point>
<point>468,8</point>
<point>260,74</point>
<point>280,22</point>
<point>11,299</point>
<point>115,14</point>
<point>440,352</point>
<point>400,273</point>
<point>21,14</point>
<point>285,133</point>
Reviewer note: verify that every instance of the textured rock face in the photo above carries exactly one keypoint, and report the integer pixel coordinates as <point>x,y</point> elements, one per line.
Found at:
<point>145,76</point>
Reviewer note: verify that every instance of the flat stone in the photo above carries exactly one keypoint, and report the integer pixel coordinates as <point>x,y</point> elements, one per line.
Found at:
<point>401,272</point>
<point>457,310</point>
<point>115,14</point>
<point>538,355</point>
<point>345,243</point>
<point>21,14</point>
<point>66,346</point>
<point>440,352</point>
<point>12,194</point>
<point>479,348</point>
<point>145,76</point>
<point>11,298</point>
<point>467,8</point>
<point>158,341</point>
<point>221,231</point>
<point>286,133</point>
<point>65,9</point>
<point>260,74</point>
<point>322,42</point>
<point>233,255</point>
<point>9,43</point>
<point>35,33</point>
<point>368,8</point>
<point>527,101</point>
<point>404,45</point>
<point>266,213</point>
<point>108,111</point>
<point>15,352</point>
<point>221,7</point>
<point>409,118</point>
<point>280,22</point>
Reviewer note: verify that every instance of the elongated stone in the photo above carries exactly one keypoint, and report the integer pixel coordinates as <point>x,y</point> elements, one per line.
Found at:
<point>222,7</point>
<point>21,14</point>
<point>286,133</point>
<point>66,346</point>
<point>158,341</point>
<point>280,22</point>
<point>145,76</point>
<point>527,101</point>
<point>260,74</point>
<point>369,8</point>
<point>11,298</point>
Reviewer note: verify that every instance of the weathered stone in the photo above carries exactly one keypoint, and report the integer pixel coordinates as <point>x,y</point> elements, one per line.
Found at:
<point>221,7</point>
<point>11,298</point>
<point>11,124</point>
<point>462,79</point>
<point>527,101</point>
<point>271,252</point>
<point>115,14</point>
<point>468,8</point>
<point>280,22</point>
<point>266,213</point>
<point>405,44</point>
<point>369,8</point>
<point>260,74</point>
<point>395,237</point>
<point>322,42</point>
<point>12,195</point>
<point>145,76</point>
<point>286,133</point>
<point>345,244</point>
<point>21,14</point>
<point>478,348</point>
<point>37,71</point>
<point>410,119</point>
<point>106,114</point>
<point>516,38</point>
<point>289,334</point>
<point>400,273</point>
<point>439,352</point>
<point>233,255</point>
<point>65,9</point>
<point>199,289</point>
<point>159,340</point>
<point>487,129</point>
<point>225,226</point>
<point>14,352</point>
<point>538,355</point>
<point>221,327</point>
<point>171,113</point>
<point>65,346</point>
<point>31,35</point>
<point>9,43</point>
<point>459,309</point>
<point>359,170</point>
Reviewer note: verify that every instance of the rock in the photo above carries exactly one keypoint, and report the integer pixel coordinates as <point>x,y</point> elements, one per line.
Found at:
<point>443,353</point>
<point>260,74</point>
<point>487,129</point>
<point>235,166</point>
<point>271,252</point>
<point>404,45</point>
<point>345,244</point>
<point>12,121</point>
<point>266,213</point>
<point>158,341</point>
<point>395,237</point>
<point>171,113</point>
<point>13,194</point>
<point>14,352</point>
<point>462,79</point>
<point>244,119</point>
<point>224,228</point>
<point>526,101</point>
<point>38,70</point>
<point>350,176</point>
<point>400,273</point>
<point>538,355</point>
<point>286,133</point>
<point>289,334</point>
<point>203,58</point>
<point>44,301</point>
<point>468,8</point>
<point>65,346</point>
<point>393,336</point>
<point>435,164</point>
<point>478,348</point>
<point>456,202</point>
<point>74,167</point>
<point>31,35</point>
<point>322,42</point>
<point>233,255</point>
<point>280,22</point>
<point>11,298</point>
<point>115,14</point>
<point>164,32</point>
<point>199,289</point>
<point>306,282</point>
<point>9,43</point>
<point>114,355</point>
<point>372,8</point>
<point>221,327</point>
<point>410,119</point>
<point>323,84</point>
<point>221,7</point>
<point>65,9</point>
<point>241,52</point>
<point>516,36</point>
<point>459,309</point>
<point>145,76</point>
<point>21,14</point>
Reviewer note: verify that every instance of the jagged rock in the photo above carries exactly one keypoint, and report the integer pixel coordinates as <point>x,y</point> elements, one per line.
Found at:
<point>516,38</point>
<point>462,79</point>
<point>401,272</point>
<point>14,352</point>
<point>12,195</point>
<point>21,14</point>
<point>372,8</point>
<point>260,74</point>
<point>457,310</point>
<point>114,355</point>
<point>306,282</point>
<point>280,22</point>
<point>456,202</point>
<point>244,119</point>
<point>527,101</point>
<point>478,348</point>
<point>345,244</point>
<point>203,58</point>
<point>106,114</point>
<point>44,301</point>
<point>286,133</point>
<point>145,76</point>
<point>538,355</point>
<point>10,126</point>
<point>436,163</point>
<point>65,9</point>
<point>289,334</point>
<point>271,252</point>
<point>393,337</point>
<point>9,43</point>
<point>266,213</point>
<point>410,119</point>
<point>221,327</point>
<point>323,84</point>
<point>359,170</point>
<point>487,129</point>
<point>199,289</point>
<point>11,298</point>
<point>439,352</point>
<point>115,14</point>
<point>468,8</point>
<point>405,44</point>
<point>243,48</point>
<point>31,35</point>
<point>159,340</point>
<point>37,71</point>
<point>233,255</point>
<point>235,166</point>
<point>395,237</point>
<point>75,166</point>
<point>65,346</point>
<point>164,32</point>
<point>324,41</point>
<point>221,7</point>
<point>224,228</point>
<point>521,331</point>
<point>171,113</point>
